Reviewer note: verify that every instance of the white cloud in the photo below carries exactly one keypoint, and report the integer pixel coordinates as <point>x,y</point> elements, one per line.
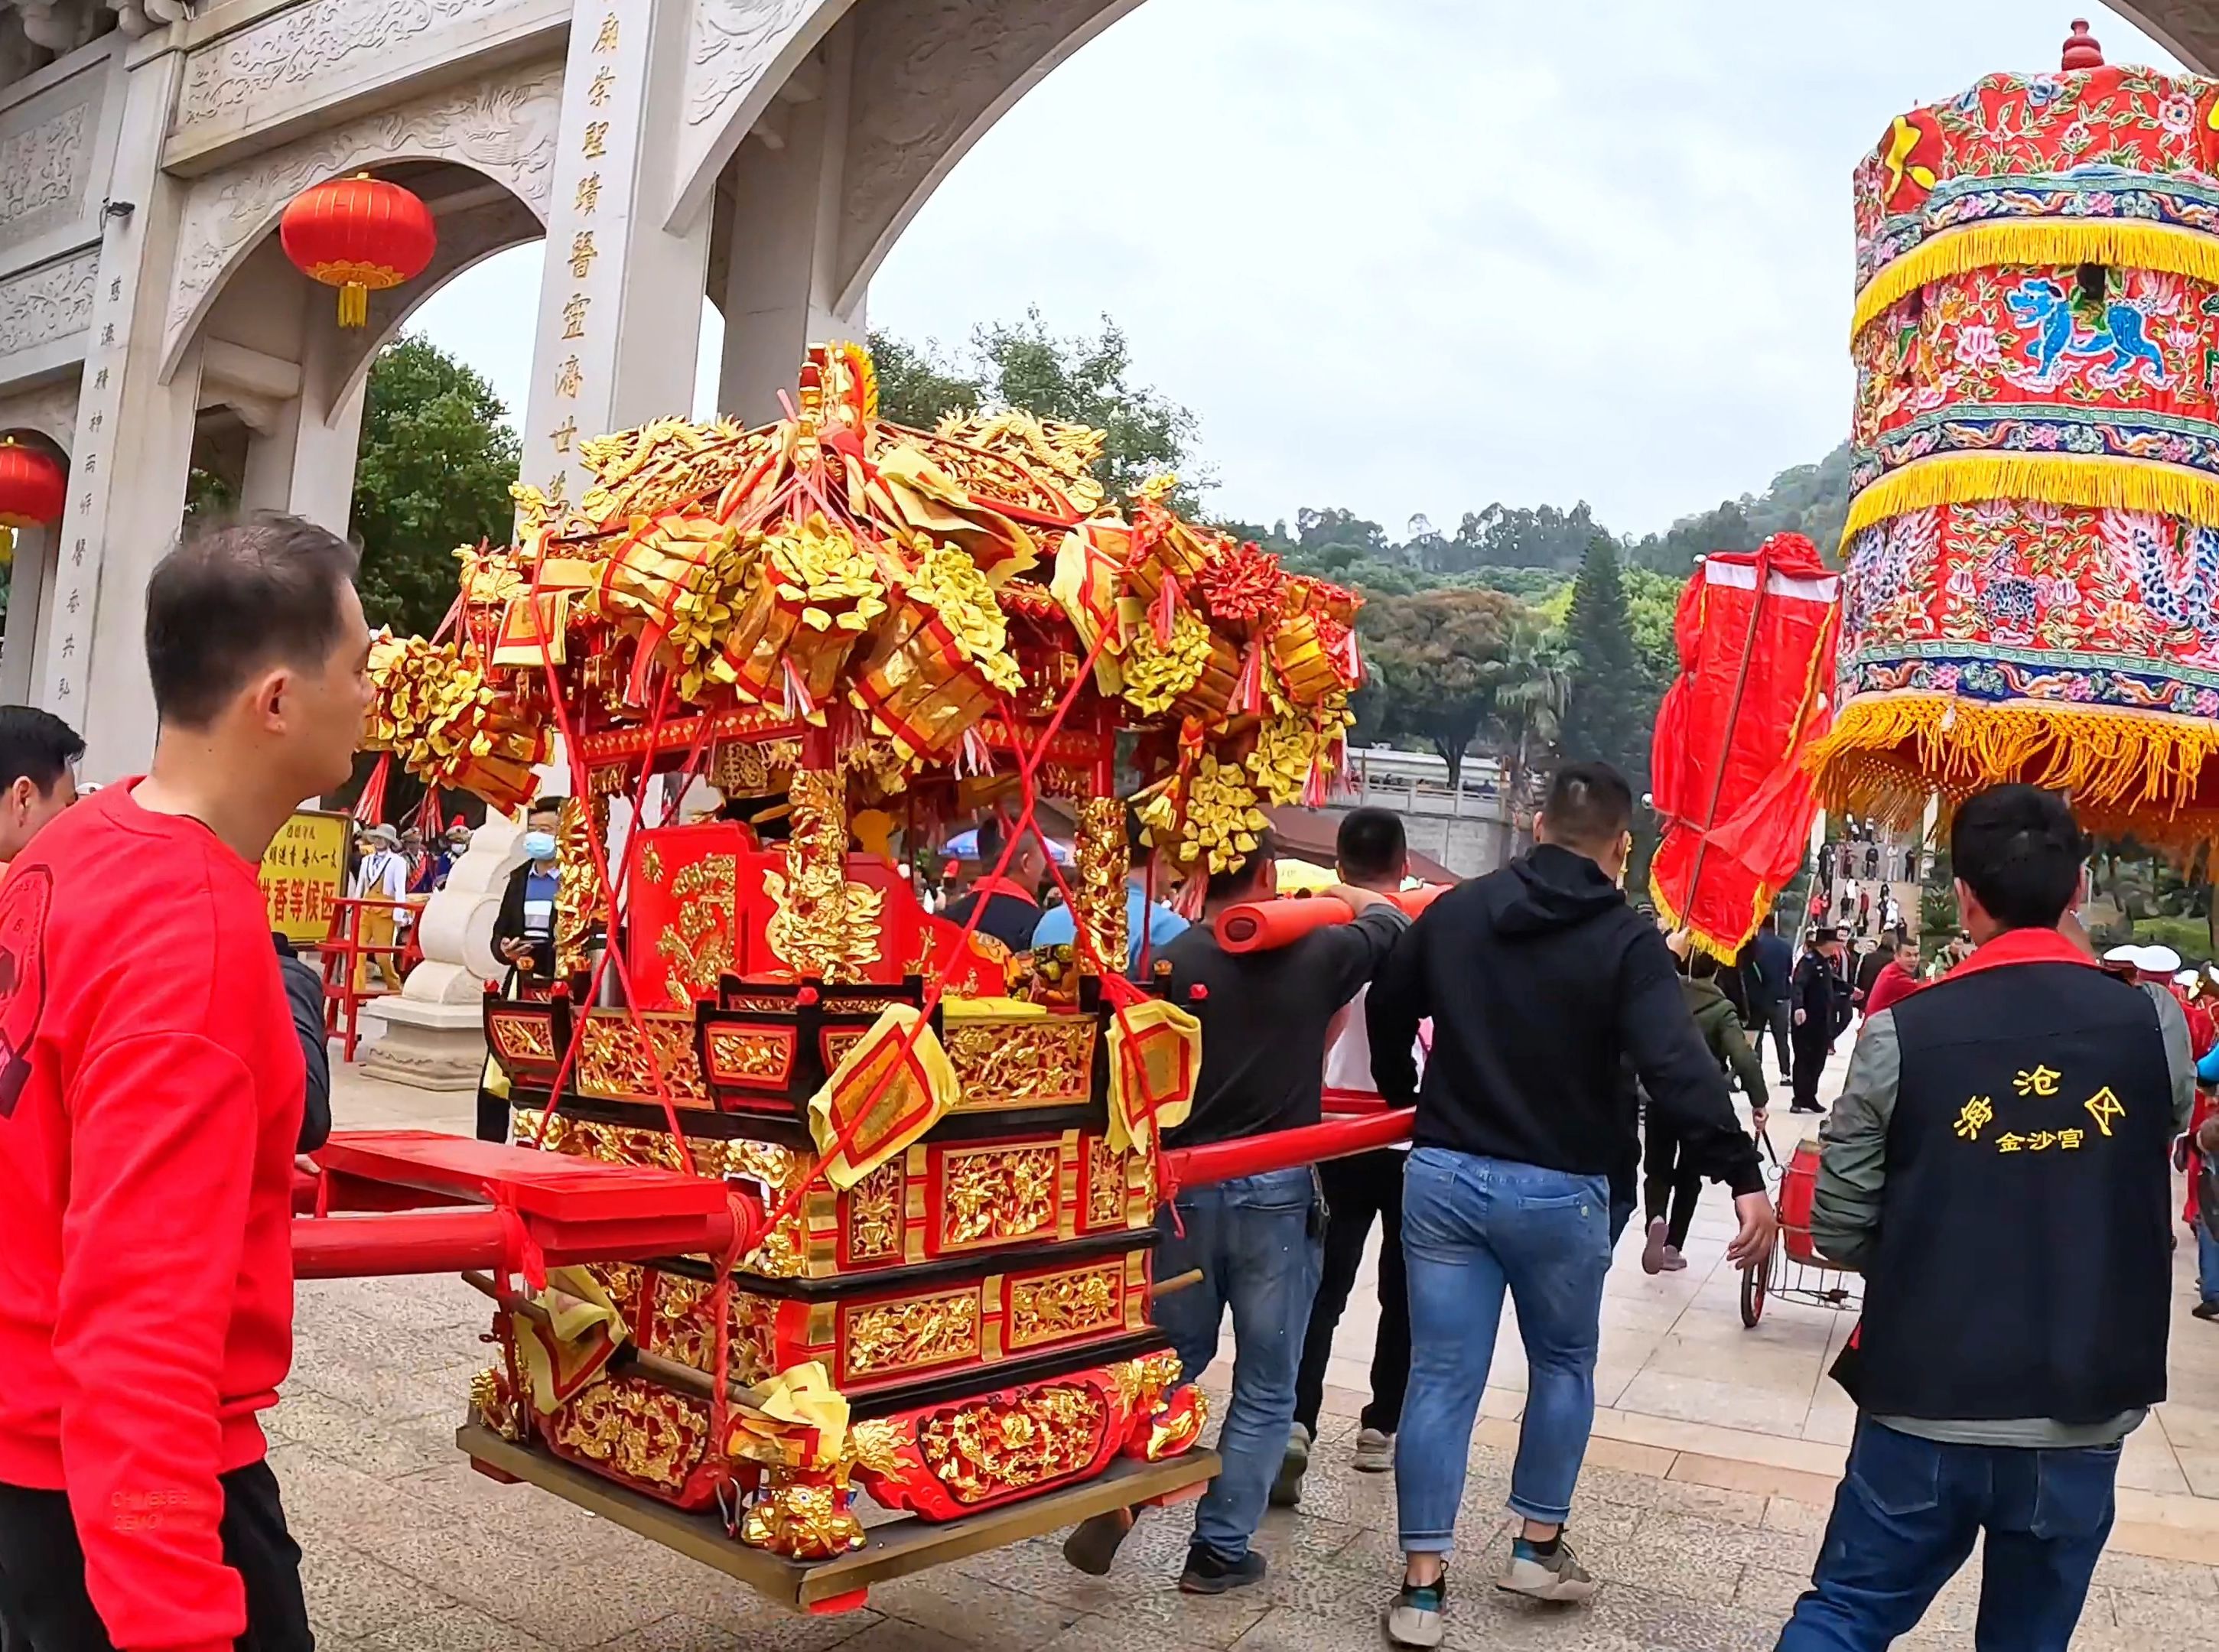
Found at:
<point>1417,255</point>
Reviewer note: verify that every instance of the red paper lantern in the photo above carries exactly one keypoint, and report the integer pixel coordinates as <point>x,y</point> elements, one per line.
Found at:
<point>33,486</point>
<point>356,234</point>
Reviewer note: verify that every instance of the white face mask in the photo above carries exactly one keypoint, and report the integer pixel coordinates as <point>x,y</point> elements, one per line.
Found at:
<point>540,846</point>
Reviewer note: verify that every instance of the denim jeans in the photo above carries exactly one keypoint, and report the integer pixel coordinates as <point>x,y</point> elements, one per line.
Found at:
<point>1905,1518</point>
<point>1472,1227</point>
<point>2207,1263</point>
<point>1252,1238</point>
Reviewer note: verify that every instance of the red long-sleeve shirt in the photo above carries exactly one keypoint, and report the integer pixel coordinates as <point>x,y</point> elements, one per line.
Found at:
<point>150,1100</point>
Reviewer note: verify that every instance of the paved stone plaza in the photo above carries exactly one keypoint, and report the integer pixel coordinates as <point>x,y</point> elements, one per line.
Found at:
<point>1700,1508</point>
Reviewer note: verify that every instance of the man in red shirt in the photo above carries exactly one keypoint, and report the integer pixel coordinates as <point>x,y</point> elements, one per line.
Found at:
<point>150,1101</point>
<point>1898,981</point>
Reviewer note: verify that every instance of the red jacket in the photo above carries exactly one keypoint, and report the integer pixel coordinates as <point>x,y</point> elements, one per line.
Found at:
<point>150,1101</point>
<point>1891,985</point>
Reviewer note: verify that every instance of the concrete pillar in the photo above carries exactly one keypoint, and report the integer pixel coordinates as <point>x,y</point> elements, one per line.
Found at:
<point>620,297</point>
<point>782,279</point>
<point>304,464</point>
<point>130,454</point>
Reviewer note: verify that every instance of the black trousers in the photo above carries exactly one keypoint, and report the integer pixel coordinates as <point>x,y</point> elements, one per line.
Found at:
<point>1812,1047</point>
<point>1779,1020</point>
<point>1356,1191</point>
<point>43,1604</point>
<point>1670,1185</point>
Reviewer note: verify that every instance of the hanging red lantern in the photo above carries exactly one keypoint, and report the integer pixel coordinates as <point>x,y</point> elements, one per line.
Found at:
<point>33,486</point>
<point>357,234</point>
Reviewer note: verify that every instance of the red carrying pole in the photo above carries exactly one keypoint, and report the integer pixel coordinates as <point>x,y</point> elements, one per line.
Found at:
<point>1266,926</point>
<point>1280,1150</point>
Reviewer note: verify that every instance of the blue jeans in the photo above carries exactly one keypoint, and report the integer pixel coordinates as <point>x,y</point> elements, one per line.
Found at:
<point>1472,1227</point>
<point>1904,1520</point>
<point>2207,1263</point>
<point>1250,1236</point>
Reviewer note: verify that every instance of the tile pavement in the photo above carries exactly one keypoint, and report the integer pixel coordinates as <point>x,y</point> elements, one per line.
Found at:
<point>1715,1453</point>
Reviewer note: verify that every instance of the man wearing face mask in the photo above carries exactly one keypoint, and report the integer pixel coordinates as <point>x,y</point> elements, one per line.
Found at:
<point>523,932</point>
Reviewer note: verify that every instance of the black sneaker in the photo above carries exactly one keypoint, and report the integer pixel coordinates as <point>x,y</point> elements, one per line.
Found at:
<point>2204,1311</point>
<point>1092,1544</point>
<point>1209,1573</point>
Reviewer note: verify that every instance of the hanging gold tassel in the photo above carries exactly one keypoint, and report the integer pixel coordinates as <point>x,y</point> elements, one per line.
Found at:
<point>2055,241</point>
<point>2053,478</point>
<point>354,305</point>
<point>2124,772</point>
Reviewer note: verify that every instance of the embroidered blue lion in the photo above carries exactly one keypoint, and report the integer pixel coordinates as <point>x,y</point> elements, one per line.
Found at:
<point>2040,302</point>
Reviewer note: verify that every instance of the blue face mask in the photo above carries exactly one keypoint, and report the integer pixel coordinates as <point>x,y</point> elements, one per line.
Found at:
<point>540,846</point>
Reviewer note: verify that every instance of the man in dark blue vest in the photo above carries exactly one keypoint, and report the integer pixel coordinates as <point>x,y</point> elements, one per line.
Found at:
<point>1997,1165</point>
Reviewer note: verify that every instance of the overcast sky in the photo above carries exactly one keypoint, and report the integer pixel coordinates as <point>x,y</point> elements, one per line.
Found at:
<point>1412,256</point>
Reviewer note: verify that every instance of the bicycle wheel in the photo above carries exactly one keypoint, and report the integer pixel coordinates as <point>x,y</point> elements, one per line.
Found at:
<point>1753,1285</point>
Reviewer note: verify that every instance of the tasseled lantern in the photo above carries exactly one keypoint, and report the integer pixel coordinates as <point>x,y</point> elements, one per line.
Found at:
<point>358,233</point>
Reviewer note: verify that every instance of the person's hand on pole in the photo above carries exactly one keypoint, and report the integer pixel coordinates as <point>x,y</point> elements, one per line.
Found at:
<point>1358,901</point>
<point>1752,1245</point>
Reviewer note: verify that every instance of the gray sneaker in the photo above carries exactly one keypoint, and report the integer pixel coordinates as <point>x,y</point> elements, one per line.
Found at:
<point>1374,1451</point>
<point>1557,1577</point>
<point>1287,1489</point>
<point>1414,1617</point>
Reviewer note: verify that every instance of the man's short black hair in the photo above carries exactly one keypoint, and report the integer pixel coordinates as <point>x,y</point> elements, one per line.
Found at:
<point>1590,806</point>
<point>37,744</point>
<point>1701,966</point>
<point>2020,852</point>
<point>545,806</point>
<point>1771,923</point>
<point>1245,879</point>
<point>236,597</point>
<point>990,838</point>
<point>1371,845</point>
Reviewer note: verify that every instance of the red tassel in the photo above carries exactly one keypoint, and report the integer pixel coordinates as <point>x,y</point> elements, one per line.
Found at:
<point>800,707</point>
<point>1249,687</point>
<point>643,661</point>
<point>1166,611</point>
<point>369,807</point>
<point>1317,788</point>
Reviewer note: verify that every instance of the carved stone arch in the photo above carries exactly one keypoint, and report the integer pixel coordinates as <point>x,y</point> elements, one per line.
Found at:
<point>931,78</point>
<point>503,127</point>
<point>47,410</point>
<point>738,54</point>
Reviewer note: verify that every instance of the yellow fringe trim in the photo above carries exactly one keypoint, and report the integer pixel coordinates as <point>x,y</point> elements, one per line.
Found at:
<point>1674,923</point>
<point>2053,478</point>
<point>2129,243</point>
<point>2126,773</point>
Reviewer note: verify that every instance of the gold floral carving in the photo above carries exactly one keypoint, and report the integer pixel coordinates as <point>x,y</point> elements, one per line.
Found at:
<point>748,1054</point>
<point>523,1037</point>
<point>1141,1383</point>
<point>839,1041</point>
<point>753,768</point>
<point>699,942</point>
<point>494,1404</point>
<point>1032,1063</point>
<point>669,462</point>
<point>1061,1306</point>
<point>684,1327</point>
<point>1099,902</point>
<point>989,1195</point>
<point>887,1338</point>
<point>876,1444</point>
<point>576,883</point>
<point>824,926</point>
<point>1105,1184</point>
<point>803,1518</point>
<point>645,1433</point>
<point>996,1446</point>
<point>875,1212</point>
<point>612,1062</point>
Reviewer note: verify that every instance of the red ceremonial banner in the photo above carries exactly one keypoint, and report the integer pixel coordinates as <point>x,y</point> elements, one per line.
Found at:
<point>1756,634</point>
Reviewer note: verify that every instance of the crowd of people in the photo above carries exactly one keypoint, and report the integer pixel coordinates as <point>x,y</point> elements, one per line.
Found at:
<point>1997,1164</point>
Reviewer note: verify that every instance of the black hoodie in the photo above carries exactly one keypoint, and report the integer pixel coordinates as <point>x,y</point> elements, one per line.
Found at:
<point>1538,978</point>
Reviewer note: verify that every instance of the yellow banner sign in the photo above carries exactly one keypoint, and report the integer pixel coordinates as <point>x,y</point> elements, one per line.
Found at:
<point>303,873</point>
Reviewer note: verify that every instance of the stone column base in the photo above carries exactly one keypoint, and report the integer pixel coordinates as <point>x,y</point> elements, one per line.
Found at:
<point>431,1045</point>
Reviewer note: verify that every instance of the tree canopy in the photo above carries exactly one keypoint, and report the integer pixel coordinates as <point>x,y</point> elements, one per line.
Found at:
<point>1611,703</point>
<point>436,463</point>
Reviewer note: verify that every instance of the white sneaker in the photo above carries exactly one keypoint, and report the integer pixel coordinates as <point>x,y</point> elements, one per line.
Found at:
<point>1414,1617</point>
<point>1374,1451</point>
<point>1652,1252</point>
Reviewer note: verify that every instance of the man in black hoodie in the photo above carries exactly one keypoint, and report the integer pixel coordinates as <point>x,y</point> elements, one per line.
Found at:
<point>1539,979</point>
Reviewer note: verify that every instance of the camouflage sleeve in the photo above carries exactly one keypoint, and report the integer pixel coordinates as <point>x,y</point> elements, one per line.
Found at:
<point>1853,1162</point>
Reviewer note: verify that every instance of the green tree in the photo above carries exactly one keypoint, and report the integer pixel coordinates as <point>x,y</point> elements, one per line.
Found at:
<point>435,465</point>
<point>1611,701</point>
<point>1087,381</point>
<point>916,386</point>
<point>1439,658</point>
<point>1529,704</point>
